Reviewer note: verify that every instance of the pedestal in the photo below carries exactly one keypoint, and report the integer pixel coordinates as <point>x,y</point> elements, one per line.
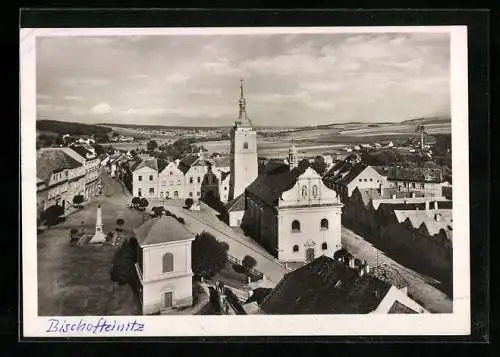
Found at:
<point>98,237</point>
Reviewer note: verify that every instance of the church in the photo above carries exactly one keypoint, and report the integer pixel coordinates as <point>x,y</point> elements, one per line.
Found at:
<point>287,209</point>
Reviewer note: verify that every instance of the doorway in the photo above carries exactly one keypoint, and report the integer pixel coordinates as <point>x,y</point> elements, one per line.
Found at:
<point>309,254</point>
<point>167,300</point>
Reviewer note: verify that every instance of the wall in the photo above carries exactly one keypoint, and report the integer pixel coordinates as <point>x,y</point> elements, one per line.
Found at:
<point>153,259</point>
<point>430,189</point>
<point>193,190</point>
<point>152,295</point>
<point>310,230</point>
<point>235,218</point>
<point>369,178</point>
<point>170,180</point>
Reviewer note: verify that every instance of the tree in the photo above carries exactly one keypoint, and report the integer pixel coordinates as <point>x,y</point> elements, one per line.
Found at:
<point>248,262</point>
<point>78,200</point>
<point>122,269</point>
<point>120,222</point>
<point>51,215</point>
<point>181,220</point>
<point>158,211</point>
<point>136,201</point>
<point>303,164</point>
<point>319,165</point>
<point>152,145</point>
<point>209,255</point>
<point>189,203</point>
<point>143,203</point>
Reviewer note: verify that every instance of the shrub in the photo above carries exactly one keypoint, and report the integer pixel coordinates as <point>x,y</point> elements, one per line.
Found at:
<point>52,214</point>
<point>78,200</point>
<point>239,269</point>
<point>208,255</point>
<point>136,201</point>
<point>122,270</point>
<point>143,203</point>
<point>248,262</point>
<point>189,203</point>
<point>181,220</point>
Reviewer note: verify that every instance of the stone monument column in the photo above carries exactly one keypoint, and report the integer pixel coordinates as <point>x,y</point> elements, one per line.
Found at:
<point>99,236</point>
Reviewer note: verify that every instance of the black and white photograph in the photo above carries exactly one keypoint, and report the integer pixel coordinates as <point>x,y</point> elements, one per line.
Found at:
<point>313,180</point>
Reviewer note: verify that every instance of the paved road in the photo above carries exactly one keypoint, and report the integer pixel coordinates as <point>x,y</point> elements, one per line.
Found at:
<point>239,245</point>
<point>419,285</point>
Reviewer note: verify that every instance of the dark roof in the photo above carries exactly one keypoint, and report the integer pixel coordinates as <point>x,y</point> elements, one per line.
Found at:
<point>238,204</point>
<point>388,207</point>
<point>269,186</point>
<point>80,150</point>
<point>152,163</point>
<point>223,175</point>
<point>185,163</point>
<point>161,230</point>
<point>162,164</point>
<point>325,286</point>
<point>49,161</point>
<point>354,172</point>
<point>259,295</point>
<point>399,308</point>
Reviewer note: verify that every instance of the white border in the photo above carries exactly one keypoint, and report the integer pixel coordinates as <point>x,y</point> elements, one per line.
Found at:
<point>456,323</point>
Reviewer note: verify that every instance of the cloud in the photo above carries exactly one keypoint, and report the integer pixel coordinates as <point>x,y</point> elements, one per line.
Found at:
<point>177,78</point>
<point>139,76</point>
<point>144,111</point>
<point>102,108</point>
<point>73,97</point>
<point>89,82</point>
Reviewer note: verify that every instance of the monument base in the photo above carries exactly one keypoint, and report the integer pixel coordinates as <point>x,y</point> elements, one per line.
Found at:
<point>98,237</point>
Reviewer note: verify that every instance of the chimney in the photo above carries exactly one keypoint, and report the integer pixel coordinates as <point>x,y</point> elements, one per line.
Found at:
<point>426,205</point>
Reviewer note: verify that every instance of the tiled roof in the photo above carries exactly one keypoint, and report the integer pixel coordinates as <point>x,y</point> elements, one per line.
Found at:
<point>325,286</point>
<point>354,172</point>
<point>417,174</point>
<point>390,275</point>
<point>238,204</point>
<point>80,150</point>
<point>194,160</point>
<point>417,218</point>
<point>269,186</point>
<point>152,163</point>
<point>49,161</point>
<point>161,230</point>
<point>410,203</point>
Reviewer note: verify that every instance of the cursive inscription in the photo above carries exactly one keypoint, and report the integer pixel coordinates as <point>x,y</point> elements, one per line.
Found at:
<point>101,326</point>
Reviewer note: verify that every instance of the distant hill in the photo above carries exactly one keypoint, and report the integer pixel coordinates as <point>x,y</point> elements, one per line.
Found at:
<point>424,121</point>
<point>63,127</point>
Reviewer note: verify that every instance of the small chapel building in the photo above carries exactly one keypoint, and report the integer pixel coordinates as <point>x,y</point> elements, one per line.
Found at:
<point>163,265</point>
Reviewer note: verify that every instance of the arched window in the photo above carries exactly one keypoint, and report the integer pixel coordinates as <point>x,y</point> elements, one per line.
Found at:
<point>245,145</point>
<point>315,191</point>
<point>190,180</point>
<point>304,191</point>
<point>199,179</point>
<point>295,226</point>
<point>324,246</point>
<point>324,224</point>
<point>295,248</point>
<point>168,262</point>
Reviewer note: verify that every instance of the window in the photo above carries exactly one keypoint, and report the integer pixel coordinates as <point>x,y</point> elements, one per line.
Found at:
<point>422,185</point>
<point>139,178</point>
<point>295,226</point>
<point>360,180</point>
<point>245,145</point>
<point>378,181</point>
<point>198,193</point>
<point>324,246</point>
<point>413,185</point>
<point>295,248</point>
<point>315,191</point>
<point>324,224</point>
<point>190,180</point>
<point>176,194</point>
<point>151,191</point>
<point>171,182</point>
<point>168,262</point>
<point>139,192</point>
<point>190,194</point>
<point>365,180</point>
<point>371,180</point>
<point>225,188</point>
<point>178,182</point>
<point>199,179</point>
<point>150,177</point>
<point>304,191</point>
<point>170,173</point>
<point>168,193</point>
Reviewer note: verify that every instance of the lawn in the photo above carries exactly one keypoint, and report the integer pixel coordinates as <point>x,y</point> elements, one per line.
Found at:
<point>83,286</point>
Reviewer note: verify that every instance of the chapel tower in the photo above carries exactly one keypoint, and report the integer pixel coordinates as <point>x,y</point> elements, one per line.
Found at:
<point>292,155</point>
<point>244,166</point>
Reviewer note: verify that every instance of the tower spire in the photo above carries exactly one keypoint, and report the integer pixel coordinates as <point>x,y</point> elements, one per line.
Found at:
<point>292,155</point>
<point>243,109</point>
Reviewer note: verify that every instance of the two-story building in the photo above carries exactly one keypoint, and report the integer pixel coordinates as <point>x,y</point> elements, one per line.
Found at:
<point>92,169</point>
<point>171,182</point>
<point>145,179</point>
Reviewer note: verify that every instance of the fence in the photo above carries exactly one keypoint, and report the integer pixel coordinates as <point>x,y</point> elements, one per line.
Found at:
<point>253,273</point>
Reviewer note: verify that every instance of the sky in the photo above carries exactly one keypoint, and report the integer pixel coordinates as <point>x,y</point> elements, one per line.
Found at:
<point>290,79</point>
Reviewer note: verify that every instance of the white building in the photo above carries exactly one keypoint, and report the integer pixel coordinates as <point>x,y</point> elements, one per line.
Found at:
<point>290,212</point>
<point>163,265</point>
<point>145,179</point>
<point>244,166</point>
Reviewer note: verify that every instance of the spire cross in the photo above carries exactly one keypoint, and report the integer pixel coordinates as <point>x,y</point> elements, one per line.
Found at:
<point>243,112</point>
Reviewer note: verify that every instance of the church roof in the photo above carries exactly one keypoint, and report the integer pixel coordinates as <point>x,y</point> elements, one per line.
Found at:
<point>325,286</point>
<point>269,185</point>
<point>163,229</point>
<point>238,204</point>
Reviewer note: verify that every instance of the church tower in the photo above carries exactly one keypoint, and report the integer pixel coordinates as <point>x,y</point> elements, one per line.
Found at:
<point>292,156</point>
<point>244,166</point>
